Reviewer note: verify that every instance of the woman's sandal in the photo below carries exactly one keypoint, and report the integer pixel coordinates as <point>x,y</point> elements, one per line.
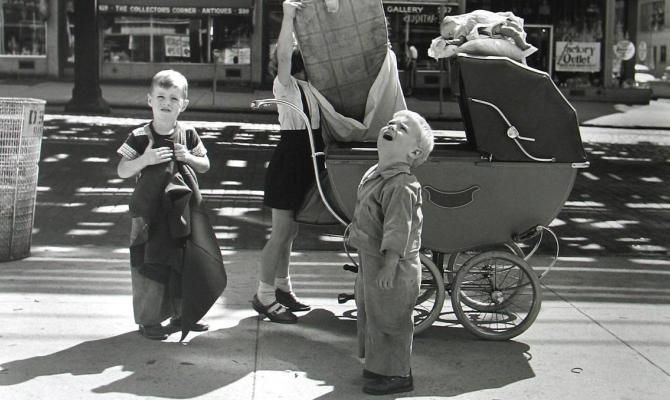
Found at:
<point>288,300</point>
<point>275,312</point>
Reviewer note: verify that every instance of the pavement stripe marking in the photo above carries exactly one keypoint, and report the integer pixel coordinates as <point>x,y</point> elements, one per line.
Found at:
<point>589,204</point>
<point>608,296</point>
<point>77,259</point>
<point>327,263</point>
<point>662,206</point>
<point>606,270</point>
<point>642,290</point>
<point>125,261</point>
<point>633,159</point>
<point>590,176</point>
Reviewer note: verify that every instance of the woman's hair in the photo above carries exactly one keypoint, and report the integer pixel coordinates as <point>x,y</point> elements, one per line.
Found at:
<point>297,64</point>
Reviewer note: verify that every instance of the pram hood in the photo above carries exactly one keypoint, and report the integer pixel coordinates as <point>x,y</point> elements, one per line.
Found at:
<point>497,93</point>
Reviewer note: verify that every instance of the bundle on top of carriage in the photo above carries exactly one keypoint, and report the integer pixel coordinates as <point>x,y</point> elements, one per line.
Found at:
<point>512,112</point>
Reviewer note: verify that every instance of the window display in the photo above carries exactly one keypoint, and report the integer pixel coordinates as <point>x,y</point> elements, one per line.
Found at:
<point>577,34</point>
<point>23,27</point>
<point>416,24</point>
<point>203,39</point>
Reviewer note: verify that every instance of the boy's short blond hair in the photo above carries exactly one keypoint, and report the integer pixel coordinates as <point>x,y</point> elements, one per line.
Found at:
<point>170,78</point>
<point>424,136</point>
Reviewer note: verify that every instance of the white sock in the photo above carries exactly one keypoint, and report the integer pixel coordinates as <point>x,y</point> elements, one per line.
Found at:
<point>284,284</point>
<point>265,293</point>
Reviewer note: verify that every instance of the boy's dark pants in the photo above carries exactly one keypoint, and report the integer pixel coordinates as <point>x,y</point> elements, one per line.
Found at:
<point>385,321</point>
<point>152,303</point>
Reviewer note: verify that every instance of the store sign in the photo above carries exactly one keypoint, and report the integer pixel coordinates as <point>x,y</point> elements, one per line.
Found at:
<point>578,56</point>
<point>642,50</point>
<point>168,10</point>
<point>416,13</point>
<point>177,46</point>
<point>33,120</point>
<point>624,49</point>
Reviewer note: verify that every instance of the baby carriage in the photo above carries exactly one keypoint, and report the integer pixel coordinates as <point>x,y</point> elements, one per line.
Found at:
<point>501,186</point>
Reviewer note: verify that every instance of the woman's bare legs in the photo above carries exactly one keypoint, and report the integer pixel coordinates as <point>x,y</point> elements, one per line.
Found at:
<point>277,251</point>
<point>274,297</point>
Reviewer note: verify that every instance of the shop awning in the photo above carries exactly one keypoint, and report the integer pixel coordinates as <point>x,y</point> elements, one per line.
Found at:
<point>176,7</point>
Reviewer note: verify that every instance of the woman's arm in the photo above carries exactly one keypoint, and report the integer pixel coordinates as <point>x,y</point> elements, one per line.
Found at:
<point>285,40</point>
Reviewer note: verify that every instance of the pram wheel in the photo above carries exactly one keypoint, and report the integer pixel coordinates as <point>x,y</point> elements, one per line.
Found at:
<point>431,295</point>
<point>496,295</point>
<point>458,259</point>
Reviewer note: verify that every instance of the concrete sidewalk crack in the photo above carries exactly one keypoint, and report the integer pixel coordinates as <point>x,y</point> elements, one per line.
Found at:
<point>603,327</point>
<point>256,355</point>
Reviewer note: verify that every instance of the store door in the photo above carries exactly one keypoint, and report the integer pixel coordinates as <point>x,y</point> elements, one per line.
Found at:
<point>542,37</point>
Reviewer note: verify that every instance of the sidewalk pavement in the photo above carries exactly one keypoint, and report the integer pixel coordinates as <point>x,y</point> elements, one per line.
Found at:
<point>202,99</point>
<point>67,333</point>
<point>66,329</point>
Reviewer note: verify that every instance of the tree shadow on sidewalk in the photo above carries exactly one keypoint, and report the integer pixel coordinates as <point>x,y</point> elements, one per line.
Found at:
<point>447,361</point>
<point>151,368</point>
<point>321,349</point>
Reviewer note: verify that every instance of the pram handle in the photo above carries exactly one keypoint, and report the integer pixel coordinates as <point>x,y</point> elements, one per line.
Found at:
<point>257,104</point>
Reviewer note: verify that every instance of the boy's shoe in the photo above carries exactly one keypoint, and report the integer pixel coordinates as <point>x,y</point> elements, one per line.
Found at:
<point>389,384</point>
<point>275,312</point>
<point>197,327</point>
<point>288,300</point>
<point>153,332</point>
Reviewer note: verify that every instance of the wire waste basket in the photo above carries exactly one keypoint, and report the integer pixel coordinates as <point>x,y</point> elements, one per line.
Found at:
<point>21,127</point>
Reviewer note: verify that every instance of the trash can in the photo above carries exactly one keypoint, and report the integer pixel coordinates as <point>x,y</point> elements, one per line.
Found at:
<point>21,126</point>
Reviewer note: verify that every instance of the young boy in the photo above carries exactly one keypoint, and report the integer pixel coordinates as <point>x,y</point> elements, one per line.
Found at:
<point>157,248</point>
<point>386,230</point>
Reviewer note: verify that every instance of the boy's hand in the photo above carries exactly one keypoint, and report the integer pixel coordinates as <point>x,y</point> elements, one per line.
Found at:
<point>157,156</point>
<point>181,153</point>
<point>385,277</point>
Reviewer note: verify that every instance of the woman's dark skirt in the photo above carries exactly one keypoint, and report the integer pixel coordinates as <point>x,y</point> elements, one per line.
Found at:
<point>290,174</point>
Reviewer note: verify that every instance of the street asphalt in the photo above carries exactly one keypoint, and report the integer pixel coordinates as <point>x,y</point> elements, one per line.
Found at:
<point>66,326</point>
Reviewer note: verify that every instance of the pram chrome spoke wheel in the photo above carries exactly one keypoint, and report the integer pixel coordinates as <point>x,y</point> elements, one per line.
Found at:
<point>431,295</point>
<point>458,259</point>
<point>496,295</point>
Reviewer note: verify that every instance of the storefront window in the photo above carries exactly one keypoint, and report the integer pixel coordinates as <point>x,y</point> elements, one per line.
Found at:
<point>69,31</point>
<point>23,27</point>
<point>174,39</point>
<point>652,16</point>
<point>231,40</point>
<point>577,33</point>
<point>416,24</point>
<point>271,27</point>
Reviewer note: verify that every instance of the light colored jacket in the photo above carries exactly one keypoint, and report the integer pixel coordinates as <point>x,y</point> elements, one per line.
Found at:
<point>388,213</point>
